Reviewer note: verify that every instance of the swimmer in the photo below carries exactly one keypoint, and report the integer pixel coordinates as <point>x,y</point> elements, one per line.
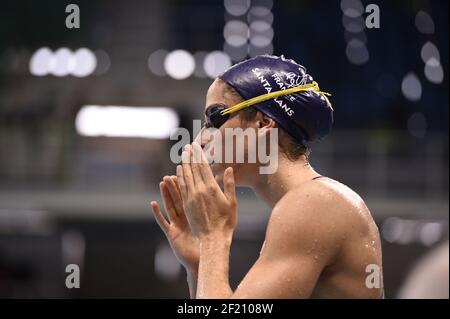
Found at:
<point>320,240</point>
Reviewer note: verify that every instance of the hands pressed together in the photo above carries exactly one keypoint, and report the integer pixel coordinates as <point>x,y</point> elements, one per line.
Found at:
<point>197,208</point>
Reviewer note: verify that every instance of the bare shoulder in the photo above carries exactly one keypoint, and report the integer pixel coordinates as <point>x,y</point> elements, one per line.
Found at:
<point>323,211</point>
<point>326,199</point>
<point>345,205</point>
<point>327,223</point>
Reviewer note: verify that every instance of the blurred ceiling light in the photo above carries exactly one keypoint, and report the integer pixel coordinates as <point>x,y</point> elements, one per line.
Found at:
<point>40,62</point>
<point>125,121</point>
<point>409,232</point>
<point>236,54</point>
<point>103,62</point>
<point>261,14</point>
<point>199,69</point>
<point>392,229</point>
<point>354,12</point>
<point>260,26</point>
<point>252,39</point>
<point>254,51</point>
<point>424,23</point>
<point>63,62</point>
<point>236,7</point>
<point>431,233</point>
<point>261,38</point>
<point>179,64</point>
<point>263,3</point>
<point>429,50</point>
<point>236,33</point>
<point>433,71</point>
<point>353,25</point>
<point>411,87</point>
<point>417,125</point>
<point>84,62</point>
<point>261,34</point>
<point>156,62</point>
<point>215,63</point>
<point>352,8</point>
<point>356,52</point>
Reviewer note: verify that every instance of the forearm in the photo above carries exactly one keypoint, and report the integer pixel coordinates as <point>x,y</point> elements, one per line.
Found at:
<point>213,272</point>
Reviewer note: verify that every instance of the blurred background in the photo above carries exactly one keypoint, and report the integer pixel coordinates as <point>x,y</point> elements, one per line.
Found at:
<point>85,117</point>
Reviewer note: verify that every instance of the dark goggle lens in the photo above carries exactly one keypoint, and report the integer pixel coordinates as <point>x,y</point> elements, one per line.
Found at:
<point>213,116</point>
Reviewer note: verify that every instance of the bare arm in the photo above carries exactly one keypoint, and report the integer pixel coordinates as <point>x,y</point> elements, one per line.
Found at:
<point>298,246</point>
<point>301,239</point>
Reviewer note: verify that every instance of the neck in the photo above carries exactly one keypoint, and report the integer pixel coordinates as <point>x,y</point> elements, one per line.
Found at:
<point>289,175</point>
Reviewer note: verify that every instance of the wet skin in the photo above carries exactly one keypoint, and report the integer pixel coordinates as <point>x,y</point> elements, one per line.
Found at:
<point>319,240</point>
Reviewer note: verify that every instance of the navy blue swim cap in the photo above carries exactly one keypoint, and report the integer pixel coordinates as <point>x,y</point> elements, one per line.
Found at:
<point>306,116</point>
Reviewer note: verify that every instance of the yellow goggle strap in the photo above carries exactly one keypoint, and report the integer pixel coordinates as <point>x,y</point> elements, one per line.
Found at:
<point>268,96</point>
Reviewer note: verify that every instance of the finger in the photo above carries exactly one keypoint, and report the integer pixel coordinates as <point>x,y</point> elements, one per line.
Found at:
<point>175,181</point>
<point>196,159</point>
<point>175,195</point>
<point>205,169</point>
<point>181,183</point>
<point>187,174</point>
<point>162,222</point>
<point>167,201</point>
<point>229,185</point>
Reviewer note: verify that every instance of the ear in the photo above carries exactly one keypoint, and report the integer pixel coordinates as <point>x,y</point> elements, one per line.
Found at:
<point>265,122</point>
